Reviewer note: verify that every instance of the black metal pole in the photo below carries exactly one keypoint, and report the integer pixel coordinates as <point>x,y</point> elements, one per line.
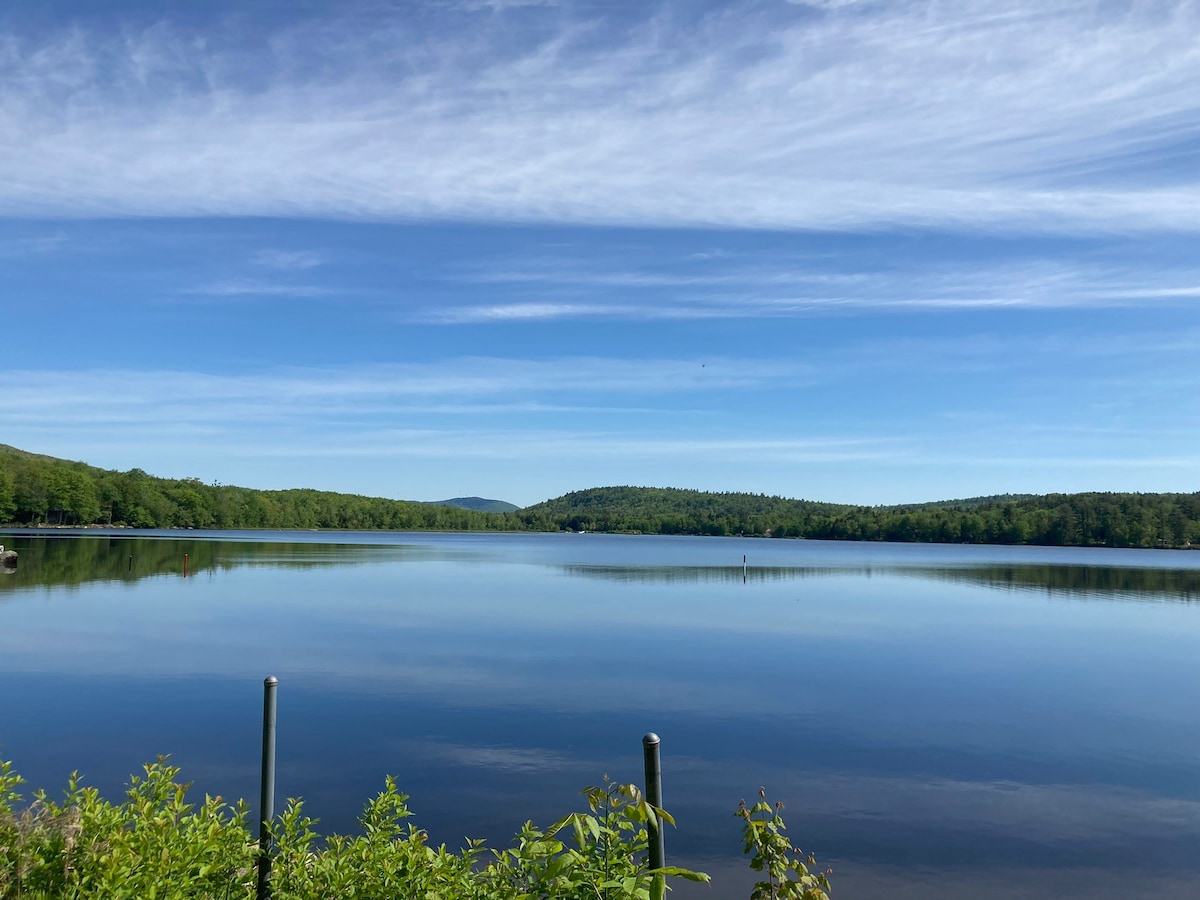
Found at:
<point>266,799</point>
<point>653,761</point>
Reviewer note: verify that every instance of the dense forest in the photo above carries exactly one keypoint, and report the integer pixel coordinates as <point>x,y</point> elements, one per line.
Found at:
<point>42,490</point>
<point>1089,520</point>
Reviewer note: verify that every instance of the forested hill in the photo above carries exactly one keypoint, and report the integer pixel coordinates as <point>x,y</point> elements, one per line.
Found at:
<point>42,490</point>
<point>480,504</point>
<point>1094,519</point>
<point>674,511</point>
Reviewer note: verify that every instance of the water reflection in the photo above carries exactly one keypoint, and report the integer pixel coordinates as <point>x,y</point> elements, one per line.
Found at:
<point>1082,582</point>
<point>698,574</point>
<point>1078,582</point>
<point>929,719</point>
<point>66,561</point>
<point>49,561</point>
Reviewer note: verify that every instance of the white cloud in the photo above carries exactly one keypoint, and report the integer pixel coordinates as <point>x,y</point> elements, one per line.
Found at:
<point>1043,115</point>
<point>502,5</point>
<point>235,289</point>
<point>826,4</point>
<point>288,260</point>
<point>23,247</point>
<point>773,289</point>
<point>345,392</point>
<point>397,412</point>
<point>512,312</point>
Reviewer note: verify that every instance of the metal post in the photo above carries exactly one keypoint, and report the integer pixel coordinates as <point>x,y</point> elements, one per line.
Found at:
<point>266,799</point>
<point>653,761</point>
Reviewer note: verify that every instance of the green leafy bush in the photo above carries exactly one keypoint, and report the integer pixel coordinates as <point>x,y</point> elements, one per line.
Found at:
<point>154,845</point>
<point>157,846</point>
<point>789,872</point>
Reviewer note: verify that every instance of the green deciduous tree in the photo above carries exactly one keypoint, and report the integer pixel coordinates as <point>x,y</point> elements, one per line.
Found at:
<point>8,502</point>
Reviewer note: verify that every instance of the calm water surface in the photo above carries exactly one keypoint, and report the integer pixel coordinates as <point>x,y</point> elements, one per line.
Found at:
<point>941,721</point>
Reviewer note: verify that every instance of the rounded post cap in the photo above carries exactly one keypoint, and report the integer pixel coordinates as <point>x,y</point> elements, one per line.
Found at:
<point>270,680</point>
<point>650,739</point>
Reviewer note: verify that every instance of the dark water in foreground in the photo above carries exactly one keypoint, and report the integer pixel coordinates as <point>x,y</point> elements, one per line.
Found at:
<point>941,721</point>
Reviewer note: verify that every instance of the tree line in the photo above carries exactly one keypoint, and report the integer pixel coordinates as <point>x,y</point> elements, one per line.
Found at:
<point>1087,520</point>
<point>42,490</point>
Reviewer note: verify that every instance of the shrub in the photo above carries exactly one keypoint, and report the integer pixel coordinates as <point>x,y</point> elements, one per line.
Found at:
<point>788,870</point>
<point>155,845</point>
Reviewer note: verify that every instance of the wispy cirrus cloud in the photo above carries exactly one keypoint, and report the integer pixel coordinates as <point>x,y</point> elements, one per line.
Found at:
<point>24,247</point>
<point>289,260</point>
<point>513,312</point>
<point>770,289</point>
<point>233,290</point>
<point>1072,116</point>
<point>374,398</point>
<point>499,5</point>
<point>1131,360</point>
<point>399,411</point>
<point>581,420</point>
<point>352,391</point>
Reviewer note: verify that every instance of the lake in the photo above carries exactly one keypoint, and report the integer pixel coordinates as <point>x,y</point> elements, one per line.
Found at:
<point>941,721</point>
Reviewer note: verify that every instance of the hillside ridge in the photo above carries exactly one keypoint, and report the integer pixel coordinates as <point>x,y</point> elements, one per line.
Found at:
<point>43,490</point>
<point>479,504</point>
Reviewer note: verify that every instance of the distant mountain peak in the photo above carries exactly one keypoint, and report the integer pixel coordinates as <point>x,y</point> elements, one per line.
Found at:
<point>478,504</point>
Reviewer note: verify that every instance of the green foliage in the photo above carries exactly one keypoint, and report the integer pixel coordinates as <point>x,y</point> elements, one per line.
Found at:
<point>156,845</point>
<point>391,858</point>
<point>1090,520</point>
<point>43,490</point>
<point>153,845</point>
<point>608,859</point>
<point>789,872</point>
<point>8,505</point>
<point>38,490</point>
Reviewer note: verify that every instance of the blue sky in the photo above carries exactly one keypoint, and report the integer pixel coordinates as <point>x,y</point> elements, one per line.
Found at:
<point>872,252</point>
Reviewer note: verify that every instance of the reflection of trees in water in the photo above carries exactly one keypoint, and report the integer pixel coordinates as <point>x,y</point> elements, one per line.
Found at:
<point>697,574</point>
<point>1084,582</point>
<point>76,560</point>
<point>1092,582</point>
<point>67,561</point>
